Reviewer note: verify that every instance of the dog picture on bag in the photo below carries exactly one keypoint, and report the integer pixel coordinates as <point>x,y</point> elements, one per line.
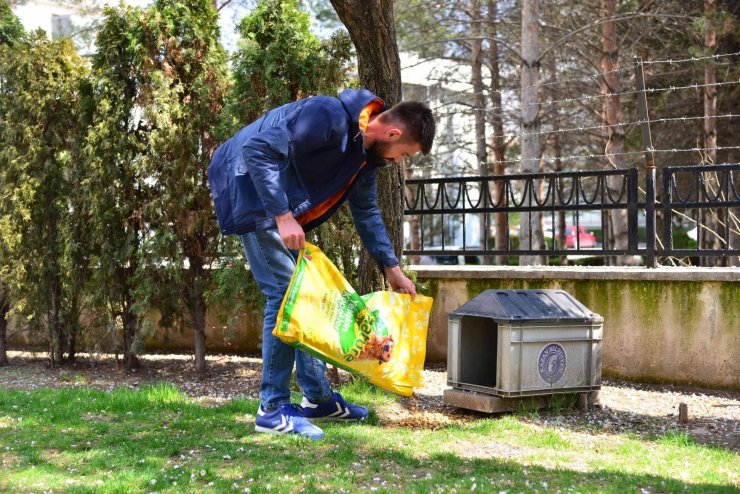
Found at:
<point>367,338</point>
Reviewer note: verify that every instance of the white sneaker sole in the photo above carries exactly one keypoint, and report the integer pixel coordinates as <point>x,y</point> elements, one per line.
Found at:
<point>266,430</point>
<point>336,419</point>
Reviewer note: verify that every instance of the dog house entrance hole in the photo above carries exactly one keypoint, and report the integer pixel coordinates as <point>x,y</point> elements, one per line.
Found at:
<point>478,350</point>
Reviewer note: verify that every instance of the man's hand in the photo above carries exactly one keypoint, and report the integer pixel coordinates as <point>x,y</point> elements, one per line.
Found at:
<point>399,282</point>
<point>291,233</point>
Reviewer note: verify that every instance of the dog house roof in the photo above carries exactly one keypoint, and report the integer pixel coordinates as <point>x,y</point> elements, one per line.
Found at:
<point>526,305</point>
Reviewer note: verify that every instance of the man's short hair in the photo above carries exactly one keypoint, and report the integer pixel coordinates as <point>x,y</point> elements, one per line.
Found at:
<point>416,119</point>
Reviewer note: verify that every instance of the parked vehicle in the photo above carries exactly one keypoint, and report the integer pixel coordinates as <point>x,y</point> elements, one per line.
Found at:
<point>442,260</point>
<point>585,237</point>
<point>451,258</point>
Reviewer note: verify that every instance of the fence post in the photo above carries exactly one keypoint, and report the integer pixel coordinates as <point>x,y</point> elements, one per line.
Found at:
<point>667,199</point>
<point>647,142</point>
<point>632,224</point>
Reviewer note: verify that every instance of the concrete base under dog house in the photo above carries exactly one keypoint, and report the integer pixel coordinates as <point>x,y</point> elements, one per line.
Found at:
<point>486,403</point>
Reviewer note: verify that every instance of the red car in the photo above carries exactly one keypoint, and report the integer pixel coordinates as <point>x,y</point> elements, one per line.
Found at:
<point>585,237</point>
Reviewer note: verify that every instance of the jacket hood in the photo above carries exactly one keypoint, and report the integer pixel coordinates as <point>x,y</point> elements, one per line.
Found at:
<point>354,100</point>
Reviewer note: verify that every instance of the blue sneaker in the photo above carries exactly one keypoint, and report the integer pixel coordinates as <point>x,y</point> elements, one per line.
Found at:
<point>334,409</point>
<point>288,419</point>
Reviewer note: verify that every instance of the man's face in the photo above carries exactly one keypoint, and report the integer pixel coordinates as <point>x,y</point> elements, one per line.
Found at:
<point>392,151</point>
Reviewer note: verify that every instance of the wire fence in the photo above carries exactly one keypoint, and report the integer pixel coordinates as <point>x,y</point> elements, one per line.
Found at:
<point>461,143</point>
<point>588,144</point>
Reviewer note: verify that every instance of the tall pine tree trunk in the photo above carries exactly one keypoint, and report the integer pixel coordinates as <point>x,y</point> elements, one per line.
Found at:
<point>612,86</point>
<point>55,323</point>
<point>497,124</point>
<point>71,322</point>
<point>371,27</point>
<point>712,219</point>
<point>130,319</point>
<point>479,105</point>
<point>124,303</point>
<point>558,228</point>
<point>531,236</point>
<point>130,323</point>
<point>197,305</point>
<point>71,338</point>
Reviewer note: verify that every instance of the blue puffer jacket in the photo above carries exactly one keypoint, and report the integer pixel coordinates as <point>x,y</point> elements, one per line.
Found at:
<point>306,157</point>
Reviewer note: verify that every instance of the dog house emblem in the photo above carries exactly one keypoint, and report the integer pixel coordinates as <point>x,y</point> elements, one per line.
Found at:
<point>551,363</point>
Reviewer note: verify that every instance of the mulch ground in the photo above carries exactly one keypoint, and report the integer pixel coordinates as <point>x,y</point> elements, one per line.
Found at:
<point>644,409</point>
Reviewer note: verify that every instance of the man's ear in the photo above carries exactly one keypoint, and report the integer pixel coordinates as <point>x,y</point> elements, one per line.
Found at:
<point>393,134</point>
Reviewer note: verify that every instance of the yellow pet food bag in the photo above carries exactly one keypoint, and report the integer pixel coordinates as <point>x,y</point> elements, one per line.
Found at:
<point>381,336</point>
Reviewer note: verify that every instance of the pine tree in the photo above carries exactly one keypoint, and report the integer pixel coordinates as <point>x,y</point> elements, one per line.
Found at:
<point>39,150</point>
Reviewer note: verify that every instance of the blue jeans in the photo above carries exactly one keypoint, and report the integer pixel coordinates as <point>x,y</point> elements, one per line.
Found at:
<point>272,265</point>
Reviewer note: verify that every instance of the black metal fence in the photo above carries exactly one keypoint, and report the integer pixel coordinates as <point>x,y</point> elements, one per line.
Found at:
<point>692,219</point>
<point>707,196</point>
<point>594,213</point>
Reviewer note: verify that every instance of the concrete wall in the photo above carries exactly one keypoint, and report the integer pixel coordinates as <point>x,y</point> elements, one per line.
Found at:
<point>660,325</point>
<point>670,325</point>
<point>240,333</point>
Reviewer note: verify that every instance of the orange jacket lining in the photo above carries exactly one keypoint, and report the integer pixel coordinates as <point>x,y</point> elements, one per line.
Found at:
<point>371,108</point>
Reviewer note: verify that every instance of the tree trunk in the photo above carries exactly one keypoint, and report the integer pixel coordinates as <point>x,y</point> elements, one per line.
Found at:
<point>558,230</point>
<point>55,323</point>
<point>713,219</point>
<point>371,27</point>
<point>71,343</point>
<point>559,219</point>
<point>479,105</point>
<point>130,320</point>
<point>531,236</point>
<point>71,328</point>
<point>198,313</point>
<point>497,123</point>
<point>612,86</point>
<point>130,330</point>
<point>121,304</point>
<point>197,305</point>
<point>4,309</point>
<point>55,296</point>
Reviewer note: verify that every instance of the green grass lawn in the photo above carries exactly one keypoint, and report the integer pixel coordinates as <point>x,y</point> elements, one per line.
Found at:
<point>155,439</point>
